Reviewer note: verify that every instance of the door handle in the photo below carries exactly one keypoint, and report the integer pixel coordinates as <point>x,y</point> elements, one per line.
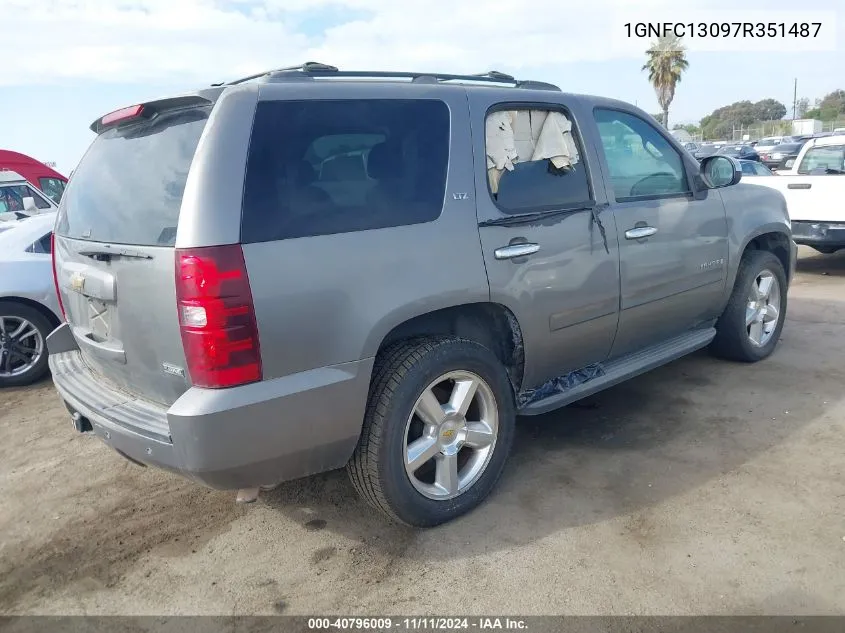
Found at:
<point>516,250</point>
<point>640,232</point>
<point>799,185</point>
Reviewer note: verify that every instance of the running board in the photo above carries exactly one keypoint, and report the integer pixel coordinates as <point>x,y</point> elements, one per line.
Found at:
<point>622,369</point>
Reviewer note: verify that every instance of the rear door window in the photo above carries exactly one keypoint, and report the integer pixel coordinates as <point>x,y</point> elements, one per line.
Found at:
<point>128,188</point>
<point>324,167</point>
<point>533,160</point>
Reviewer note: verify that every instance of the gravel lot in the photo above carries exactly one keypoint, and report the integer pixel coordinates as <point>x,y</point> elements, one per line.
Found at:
<point>702,487</point>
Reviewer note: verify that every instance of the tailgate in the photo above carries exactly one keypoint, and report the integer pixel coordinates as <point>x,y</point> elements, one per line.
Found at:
<point>114,251</point>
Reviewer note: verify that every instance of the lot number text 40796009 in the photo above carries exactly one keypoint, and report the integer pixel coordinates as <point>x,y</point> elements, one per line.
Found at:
<point>417,624</point>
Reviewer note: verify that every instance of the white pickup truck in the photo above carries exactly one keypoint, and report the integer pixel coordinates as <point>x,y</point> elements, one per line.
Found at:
<point>815,193</point>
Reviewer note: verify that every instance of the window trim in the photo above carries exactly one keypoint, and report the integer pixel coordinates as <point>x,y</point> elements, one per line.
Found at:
<point>689,194</point>
<point>576,134</point>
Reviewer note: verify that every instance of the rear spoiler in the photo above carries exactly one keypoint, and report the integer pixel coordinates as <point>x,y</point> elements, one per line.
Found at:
<point>150,109</point>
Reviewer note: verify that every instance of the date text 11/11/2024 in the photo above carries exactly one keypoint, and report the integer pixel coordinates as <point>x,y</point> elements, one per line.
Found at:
<point>723,29</point>
<point>417,624</point>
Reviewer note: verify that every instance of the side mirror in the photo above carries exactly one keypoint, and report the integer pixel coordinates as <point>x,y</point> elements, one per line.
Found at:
<point>29,204</point>
<point>720,171</point>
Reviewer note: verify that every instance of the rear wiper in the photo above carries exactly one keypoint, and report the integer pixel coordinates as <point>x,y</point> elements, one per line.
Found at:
<point>105,253</point>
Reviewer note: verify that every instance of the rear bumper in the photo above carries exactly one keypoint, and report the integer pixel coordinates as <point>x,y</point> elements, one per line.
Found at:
<point>255,435</point>
<point>818,233</point>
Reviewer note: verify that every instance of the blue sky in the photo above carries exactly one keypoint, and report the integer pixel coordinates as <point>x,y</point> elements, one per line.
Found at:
<point>94,56</point>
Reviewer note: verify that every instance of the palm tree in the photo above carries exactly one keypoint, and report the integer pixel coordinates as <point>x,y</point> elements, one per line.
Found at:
<point>666,63</point>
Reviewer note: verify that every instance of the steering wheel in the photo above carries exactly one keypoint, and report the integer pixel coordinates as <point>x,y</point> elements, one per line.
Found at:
<point>663,182</point>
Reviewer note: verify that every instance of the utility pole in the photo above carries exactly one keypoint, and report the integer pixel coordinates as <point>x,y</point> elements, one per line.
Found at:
<point>794,98</point>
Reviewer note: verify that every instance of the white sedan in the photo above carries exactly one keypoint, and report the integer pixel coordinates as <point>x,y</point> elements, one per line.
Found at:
<point>29,308</point>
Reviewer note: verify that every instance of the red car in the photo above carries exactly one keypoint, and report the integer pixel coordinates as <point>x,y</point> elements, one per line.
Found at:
<point>48,180</point>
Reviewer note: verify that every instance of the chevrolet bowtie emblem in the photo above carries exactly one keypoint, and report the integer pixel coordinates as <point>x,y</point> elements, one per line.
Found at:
<point>77,282</point>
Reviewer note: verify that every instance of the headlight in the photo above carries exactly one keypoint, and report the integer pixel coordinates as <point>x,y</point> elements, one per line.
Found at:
<point>790,163</point>
<point>777,155</point>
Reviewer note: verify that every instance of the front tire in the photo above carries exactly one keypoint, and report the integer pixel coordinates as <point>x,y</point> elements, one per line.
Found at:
<point>23,344</point>
<point>437,431</point>
<point>750,326</point>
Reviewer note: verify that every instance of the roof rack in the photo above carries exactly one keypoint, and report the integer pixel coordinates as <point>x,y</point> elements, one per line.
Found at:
<point>310,70</point>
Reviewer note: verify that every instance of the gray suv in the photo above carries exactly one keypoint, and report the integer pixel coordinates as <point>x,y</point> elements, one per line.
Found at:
<point>309,269</point>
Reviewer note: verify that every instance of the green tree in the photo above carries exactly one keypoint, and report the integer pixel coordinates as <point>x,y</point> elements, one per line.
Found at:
<point>832,105</point>
<point>665,62</point>
<point>802,106</point>
<point>659,117</point>
<point>687,127</point>
<point>769,110</point>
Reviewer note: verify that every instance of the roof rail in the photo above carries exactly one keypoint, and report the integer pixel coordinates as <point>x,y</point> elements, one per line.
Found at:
<point>310,70</point>
<point>306,67</point>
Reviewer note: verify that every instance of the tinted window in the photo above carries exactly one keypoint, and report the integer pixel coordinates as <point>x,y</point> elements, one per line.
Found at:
<point>43,246</point>
<point>762,170</point>
<point>532,182</point>
<point>11,198</point>
<point>788,148</point>
<point>830,159</point>
<point>748,169</point>
<point>128,188</point>
<point>322,167</point>
<point>53,187</point>
<point>641,161</point>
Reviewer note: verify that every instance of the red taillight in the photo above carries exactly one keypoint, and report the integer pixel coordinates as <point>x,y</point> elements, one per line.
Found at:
<point>216,317</point>
<point>119,115</point>
<point>55,276</point>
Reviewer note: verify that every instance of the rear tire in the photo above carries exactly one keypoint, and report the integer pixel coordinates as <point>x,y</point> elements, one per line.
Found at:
<point>18,352</point>
<point>455,459</point>
<point>748,329</point>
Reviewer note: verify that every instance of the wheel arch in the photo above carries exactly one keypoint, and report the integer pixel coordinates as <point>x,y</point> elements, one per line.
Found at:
<point>490,324</point>
<point>774,238</point>
<point>30,303</point>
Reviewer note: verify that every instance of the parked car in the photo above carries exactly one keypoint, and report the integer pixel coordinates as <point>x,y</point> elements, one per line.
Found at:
<point>42,177</point>
<point>742,152</point>
<point>19,198</point>
<point>782,156</point>
<point>753,168</point>
<point>704,150</point>
<point>395,323</point>
<point>766,145</point>
<point>814,190</point>
<point>29,308</point>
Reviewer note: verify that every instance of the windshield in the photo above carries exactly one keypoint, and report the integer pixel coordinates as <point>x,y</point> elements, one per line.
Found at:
<point>830,160</point>
<point>128,188</point>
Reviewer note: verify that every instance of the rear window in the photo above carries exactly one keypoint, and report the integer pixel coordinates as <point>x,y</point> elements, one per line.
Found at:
<point>324,167</point>
<point>828,159</point>
<point>128,188</point>
<point>53,187</point>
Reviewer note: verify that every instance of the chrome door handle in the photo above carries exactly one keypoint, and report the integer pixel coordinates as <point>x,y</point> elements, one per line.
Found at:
<point>640,232</point>
<point>516,250</point>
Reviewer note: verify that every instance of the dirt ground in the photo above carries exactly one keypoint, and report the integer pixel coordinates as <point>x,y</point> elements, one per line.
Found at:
<point>702,487</point>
